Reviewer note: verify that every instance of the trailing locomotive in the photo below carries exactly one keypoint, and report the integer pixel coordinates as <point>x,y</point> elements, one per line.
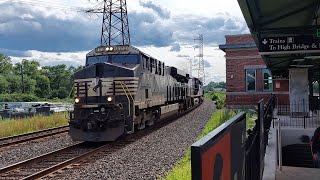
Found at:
<point>122,89</point>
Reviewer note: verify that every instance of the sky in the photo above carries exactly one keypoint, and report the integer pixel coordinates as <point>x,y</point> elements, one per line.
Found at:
<point>60,32</point>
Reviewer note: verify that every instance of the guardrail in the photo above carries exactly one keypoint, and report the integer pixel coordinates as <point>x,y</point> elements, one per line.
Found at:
<point>231,152</point>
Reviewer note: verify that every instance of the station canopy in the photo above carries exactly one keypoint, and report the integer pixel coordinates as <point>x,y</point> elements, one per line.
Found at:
<point>287,32</point>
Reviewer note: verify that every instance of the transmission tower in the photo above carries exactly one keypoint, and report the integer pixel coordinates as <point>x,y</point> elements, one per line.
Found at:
<point>200,64</point>
<point>115,25</point>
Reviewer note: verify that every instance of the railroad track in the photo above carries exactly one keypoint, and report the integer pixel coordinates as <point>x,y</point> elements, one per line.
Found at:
<point>13,140</point>
<point>73,156</point>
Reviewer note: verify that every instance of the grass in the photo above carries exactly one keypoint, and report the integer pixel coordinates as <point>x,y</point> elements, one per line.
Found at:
<point>251,118</point>
<point>218,96</point>
<point>36,123</point>
<point>182,171</point>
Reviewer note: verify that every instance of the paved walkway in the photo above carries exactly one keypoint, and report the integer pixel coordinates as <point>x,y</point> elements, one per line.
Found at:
<point>297,173</point>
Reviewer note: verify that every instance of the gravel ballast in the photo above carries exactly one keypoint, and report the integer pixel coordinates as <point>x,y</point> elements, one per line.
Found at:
<point>24,151</point>
<point>152,156</point>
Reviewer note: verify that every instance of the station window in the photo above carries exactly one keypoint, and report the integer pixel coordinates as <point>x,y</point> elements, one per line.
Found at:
<point>267,80</point>
<point>251,79</point>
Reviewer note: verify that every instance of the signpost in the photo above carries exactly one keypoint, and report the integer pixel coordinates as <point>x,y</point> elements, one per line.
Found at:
<point>290,43</point>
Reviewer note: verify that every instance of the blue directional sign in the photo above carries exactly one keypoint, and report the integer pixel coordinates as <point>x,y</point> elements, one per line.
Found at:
<point>289,43</point>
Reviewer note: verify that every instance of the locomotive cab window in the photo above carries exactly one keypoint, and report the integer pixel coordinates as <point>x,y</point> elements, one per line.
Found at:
<point>125,59</point>
<point>115,58</point>
<point>96,59</point>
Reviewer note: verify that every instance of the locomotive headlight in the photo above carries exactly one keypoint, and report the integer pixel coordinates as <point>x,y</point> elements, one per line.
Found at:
<point>109,99</point>
<point>107,49</point>
<point>77,100</point>
<point>111,48</point>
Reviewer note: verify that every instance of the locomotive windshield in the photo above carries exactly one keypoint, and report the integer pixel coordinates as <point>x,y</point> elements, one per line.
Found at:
<point>117,58</point>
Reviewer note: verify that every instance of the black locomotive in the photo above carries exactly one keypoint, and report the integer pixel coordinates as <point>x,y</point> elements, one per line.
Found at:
<point>122,89</point>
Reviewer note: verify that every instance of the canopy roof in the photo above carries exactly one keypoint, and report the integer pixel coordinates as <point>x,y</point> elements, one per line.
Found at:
<point>273,22</point>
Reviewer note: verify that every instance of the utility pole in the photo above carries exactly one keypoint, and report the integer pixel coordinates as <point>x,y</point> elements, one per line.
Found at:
<point>115,25</point>
<point>200,66</point>
<point>22,79</point>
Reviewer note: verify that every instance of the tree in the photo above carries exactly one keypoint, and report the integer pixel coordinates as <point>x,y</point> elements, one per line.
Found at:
<point>29,68</point>
<point>61,93</point>
<point>213,85</point>
<point>60,77</point>
<point>29,85</point>
<point>16,86</point>
<point>5,65</point>
<point>42,88</point>
<point>4,85</point>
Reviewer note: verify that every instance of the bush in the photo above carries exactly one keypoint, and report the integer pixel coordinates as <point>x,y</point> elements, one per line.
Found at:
<point>16,97</point>
<point>219,97</point>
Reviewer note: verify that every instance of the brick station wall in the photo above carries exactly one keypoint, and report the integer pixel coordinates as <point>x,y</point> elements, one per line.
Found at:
<point>237,61</point>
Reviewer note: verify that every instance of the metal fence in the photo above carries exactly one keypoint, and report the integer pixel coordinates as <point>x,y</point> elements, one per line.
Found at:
<point>298,114</point>
<point>13,110</point>
<point>257,141</point>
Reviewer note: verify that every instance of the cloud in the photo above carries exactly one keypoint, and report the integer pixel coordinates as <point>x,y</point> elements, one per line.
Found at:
<point>188,26</point>
<point>146,30</point>
<point>16,53</point>
<point>175,47</point>
<point>207,64</point>
<point>25,28</point>
<point>163,13</point>
<point>51,58</point>
<point>183,55</point>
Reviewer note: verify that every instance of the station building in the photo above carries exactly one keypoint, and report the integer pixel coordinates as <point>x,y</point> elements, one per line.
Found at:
<point>247,76</point>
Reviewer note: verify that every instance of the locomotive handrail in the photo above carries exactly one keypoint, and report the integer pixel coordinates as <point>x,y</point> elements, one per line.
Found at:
<point>123,84</point>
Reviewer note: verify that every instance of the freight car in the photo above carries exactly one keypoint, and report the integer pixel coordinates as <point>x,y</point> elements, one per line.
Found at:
<point>122,89</point>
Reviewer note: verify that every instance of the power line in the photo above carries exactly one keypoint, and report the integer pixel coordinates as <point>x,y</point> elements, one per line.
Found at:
<point>199,45</point>
<point>45,5</point>
<point>115,25</point>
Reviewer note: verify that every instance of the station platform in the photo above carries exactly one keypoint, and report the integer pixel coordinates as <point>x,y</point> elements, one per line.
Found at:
<point>298,173</point>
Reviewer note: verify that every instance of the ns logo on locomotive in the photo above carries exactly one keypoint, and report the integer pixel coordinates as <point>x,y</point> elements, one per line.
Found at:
<point>122,89</point>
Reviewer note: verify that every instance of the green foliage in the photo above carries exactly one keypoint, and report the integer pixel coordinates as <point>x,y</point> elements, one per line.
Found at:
<point>15,85</point>
<point>43,89</point>
<point>183,168</point>
<point>214,86</point>
<point>29,85</point>
<point>218,96</point>
<point>4,84</point>
<point>15,97</point>
<point>60,93</point>
<point>60,77</point>
<point>50,82</point>
<point>5,64</point>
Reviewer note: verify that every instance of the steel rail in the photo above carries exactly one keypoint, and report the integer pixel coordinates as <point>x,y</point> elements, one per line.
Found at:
<point>12,140</point>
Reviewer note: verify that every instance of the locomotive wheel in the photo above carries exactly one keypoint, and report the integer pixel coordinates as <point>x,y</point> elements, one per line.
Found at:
<point>141,125</point>
<point>151,121</point>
